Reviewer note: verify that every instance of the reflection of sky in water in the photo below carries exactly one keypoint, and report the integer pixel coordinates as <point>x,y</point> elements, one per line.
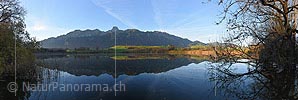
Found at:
<point>189,82</point>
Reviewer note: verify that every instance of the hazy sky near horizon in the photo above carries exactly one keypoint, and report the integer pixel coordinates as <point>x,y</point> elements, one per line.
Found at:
<point>190,19</point>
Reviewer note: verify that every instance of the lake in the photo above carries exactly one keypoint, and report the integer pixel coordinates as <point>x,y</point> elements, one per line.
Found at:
<point>161,78</point>
<point>138,77</point>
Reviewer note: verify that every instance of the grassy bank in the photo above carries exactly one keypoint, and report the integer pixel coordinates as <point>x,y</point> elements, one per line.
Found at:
<point>118,49</point>
<point>193,52</point>
<point>197,50</point>
<point>141,49</point>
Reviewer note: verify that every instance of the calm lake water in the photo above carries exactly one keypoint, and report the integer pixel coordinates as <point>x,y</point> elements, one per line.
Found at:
<point>145,77</point>
<point>139,77</point>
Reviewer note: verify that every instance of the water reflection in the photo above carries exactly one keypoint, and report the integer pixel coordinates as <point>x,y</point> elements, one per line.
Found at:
<point>255,81</point>
<point>126,64</point>
<point>158,77</point>
<point>146,77</point>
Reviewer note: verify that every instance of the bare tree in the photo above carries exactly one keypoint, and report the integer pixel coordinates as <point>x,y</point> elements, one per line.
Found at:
<point>264,32</point>
<point>259,22</point>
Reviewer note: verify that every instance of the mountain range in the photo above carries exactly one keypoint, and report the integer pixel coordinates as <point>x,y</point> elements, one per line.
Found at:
<point>105,39</point>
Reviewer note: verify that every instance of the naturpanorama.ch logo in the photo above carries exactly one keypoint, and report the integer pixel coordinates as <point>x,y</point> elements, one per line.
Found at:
<point>55,86</point>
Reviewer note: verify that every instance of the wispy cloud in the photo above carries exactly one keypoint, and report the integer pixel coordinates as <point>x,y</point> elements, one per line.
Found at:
<point>162,11</point>
<point>120,14</point>
<point>165,10</point>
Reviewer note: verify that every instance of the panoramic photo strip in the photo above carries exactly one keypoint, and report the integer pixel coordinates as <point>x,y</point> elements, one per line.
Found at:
<point>148,49</point>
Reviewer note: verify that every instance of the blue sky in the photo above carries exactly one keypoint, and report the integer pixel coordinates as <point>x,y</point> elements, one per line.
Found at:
<point>190,19</point>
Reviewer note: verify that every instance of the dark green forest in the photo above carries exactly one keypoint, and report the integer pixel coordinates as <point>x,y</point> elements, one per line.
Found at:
<point>15,42</point>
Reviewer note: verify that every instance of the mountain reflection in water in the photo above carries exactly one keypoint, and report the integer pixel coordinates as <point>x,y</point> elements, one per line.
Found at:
<point>100,64</point>
<point>146,77</point>
<point>150,77</point>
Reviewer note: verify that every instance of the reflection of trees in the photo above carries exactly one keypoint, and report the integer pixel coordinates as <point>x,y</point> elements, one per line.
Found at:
<point>26,73</point>
<point>269,84</point>
<point>30,73</point>
<point>265,33</point>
